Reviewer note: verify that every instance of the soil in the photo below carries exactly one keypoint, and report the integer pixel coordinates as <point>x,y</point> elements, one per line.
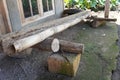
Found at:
<point>34,65</point>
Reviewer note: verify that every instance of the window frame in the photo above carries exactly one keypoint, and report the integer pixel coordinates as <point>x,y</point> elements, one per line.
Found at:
<point>34,18</point>
<point>50,11</point>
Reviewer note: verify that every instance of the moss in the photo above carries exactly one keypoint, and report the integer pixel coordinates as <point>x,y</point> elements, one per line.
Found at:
<point>100,53</point>
<point>67,69</point>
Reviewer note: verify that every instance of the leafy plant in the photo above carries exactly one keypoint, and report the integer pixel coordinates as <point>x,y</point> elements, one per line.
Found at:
<point>113,4</point>
<point>70,3</point>
<point>88,4</point>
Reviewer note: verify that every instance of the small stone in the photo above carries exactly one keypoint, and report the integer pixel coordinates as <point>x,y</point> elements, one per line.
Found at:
<point>103,35</point>
<point>84,28</point>
<point>0,69</point>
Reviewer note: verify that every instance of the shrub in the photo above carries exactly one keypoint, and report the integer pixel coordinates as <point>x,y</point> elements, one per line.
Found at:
<point>89,4</point>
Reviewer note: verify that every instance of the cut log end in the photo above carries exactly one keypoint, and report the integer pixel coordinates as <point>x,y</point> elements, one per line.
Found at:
<point>49,44</point>
<point>55,46</point>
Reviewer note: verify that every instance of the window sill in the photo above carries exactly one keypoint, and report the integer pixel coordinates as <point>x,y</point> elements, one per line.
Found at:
<point>37,18</point>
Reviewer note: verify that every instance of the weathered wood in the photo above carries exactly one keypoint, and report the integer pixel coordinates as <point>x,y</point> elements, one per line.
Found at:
<point>97,21</point>
<point>49,44</point>
<point>30,36</point>
<point>71,47</point>
<point>101,19</point>
<point>27,42</point>
<point>105,19</point>
<point>94,17</point>
<point>5,16</point>
<point>66,64</point>
<point>2,26</point>
<point>64,46</point>
<point>107,8</point>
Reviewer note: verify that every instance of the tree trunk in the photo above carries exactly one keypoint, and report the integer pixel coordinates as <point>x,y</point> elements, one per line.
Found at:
<point>107,8</point>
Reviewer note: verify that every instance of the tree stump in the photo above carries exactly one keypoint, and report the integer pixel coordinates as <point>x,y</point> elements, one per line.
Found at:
<point>66,64</point>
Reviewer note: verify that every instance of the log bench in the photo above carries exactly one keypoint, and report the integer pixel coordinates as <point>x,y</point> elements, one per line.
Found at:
<point>14,43</point>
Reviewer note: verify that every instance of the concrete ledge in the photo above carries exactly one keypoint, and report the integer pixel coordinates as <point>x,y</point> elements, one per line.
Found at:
<point>66,64</point>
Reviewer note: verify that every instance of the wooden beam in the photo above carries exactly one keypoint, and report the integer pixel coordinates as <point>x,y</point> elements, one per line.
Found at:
<point>105,19</point>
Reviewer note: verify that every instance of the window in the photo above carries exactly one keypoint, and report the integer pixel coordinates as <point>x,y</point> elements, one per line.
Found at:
<point>47,5</point>
<point>31,10</point>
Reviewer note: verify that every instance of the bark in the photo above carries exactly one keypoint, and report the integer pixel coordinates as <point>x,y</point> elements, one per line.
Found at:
<point>66,46</point>
<point>71,47</point>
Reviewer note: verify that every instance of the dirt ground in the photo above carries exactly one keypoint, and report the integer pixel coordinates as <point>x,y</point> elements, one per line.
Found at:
<point>34,66</point>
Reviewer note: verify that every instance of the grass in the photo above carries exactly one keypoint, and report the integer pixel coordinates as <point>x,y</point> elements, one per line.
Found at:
<point>100,53</point>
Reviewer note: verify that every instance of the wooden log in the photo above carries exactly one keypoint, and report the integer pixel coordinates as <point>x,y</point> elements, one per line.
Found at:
<point>107,8</point>
<point>18,41</point>
<point>95,18</point>
<point>64,46</point>
<point>71,47</point>
<point>49,44</point>
<point>96,23</point>
<point>27,42</point>
<point>105,19</point>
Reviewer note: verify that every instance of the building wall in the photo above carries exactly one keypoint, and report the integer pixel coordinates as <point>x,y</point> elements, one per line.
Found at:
<point>15,16</point>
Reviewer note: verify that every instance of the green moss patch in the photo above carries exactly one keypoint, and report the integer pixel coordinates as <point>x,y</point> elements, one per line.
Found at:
<point>101,50</point>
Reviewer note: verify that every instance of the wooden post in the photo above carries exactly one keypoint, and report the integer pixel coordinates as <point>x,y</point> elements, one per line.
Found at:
<point>2,26</point>
<point>107,8</point>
